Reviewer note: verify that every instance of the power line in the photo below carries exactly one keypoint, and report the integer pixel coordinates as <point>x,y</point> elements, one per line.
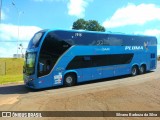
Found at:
<point>13,41</point>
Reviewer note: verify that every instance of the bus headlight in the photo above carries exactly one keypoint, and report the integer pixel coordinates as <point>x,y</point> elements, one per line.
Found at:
<point>31,79</point>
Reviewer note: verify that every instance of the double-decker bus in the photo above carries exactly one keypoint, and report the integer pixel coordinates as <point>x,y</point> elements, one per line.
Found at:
<point>67,57</point>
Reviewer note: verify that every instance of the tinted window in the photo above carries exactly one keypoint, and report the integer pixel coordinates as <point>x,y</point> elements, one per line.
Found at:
<point>110,40</point>
<point>66,36</point>
<point>120,59</point>
<point>34,42</point>
<point>116,59</point>
<point>88,38</point>
<point>76,63</point>
<point>54,45</point>
<point>127,40</point>
<point>77,38</point>
<point>52,48</point>
<point>99,60</point>
<point>80,62</point>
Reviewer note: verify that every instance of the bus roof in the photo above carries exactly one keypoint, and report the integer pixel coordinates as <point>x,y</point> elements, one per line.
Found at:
<point>98,32</point>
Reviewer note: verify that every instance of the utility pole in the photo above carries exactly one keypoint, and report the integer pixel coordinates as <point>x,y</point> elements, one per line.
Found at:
<point>18,23</point>
<point>0,10</point>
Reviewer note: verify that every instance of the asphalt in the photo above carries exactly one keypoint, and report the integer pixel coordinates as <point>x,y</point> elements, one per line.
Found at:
<point>139,93</point>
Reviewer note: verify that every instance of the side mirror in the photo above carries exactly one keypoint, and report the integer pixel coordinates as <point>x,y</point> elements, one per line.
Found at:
<point>41,67</point>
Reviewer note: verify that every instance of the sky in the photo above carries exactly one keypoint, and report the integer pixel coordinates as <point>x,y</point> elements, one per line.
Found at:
<point>21,19</point>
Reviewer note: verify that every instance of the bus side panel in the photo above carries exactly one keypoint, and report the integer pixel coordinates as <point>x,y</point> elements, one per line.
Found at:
<point>108,71</point>
<point>86,74</point>
<point>45,81</point>
<point>122,69</point>
<point>96,73</point>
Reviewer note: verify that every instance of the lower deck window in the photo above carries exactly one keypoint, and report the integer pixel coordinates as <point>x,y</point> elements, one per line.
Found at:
<point>99,60</point>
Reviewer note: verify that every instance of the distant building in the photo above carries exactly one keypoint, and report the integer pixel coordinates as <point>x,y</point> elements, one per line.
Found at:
<point>18,55</point>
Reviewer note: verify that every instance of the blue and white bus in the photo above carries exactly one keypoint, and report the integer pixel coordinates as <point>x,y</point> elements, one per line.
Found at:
<point>68,57</point>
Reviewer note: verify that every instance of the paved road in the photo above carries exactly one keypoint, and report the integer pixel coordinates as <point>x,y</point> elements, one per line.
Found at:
<point>137,93</point>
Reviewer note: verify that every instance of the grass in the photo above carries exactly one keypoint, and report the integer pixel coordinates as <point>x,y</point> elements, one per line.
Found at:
<point>4,79</point>
<point>13,65</point>
<point>13,70</point>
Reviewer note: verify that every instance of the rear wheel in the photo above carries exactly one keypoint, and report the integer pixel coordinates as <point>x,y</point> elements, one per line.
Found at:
<point>142,69</point>
<point>134,71</point>
<point>70,80</point>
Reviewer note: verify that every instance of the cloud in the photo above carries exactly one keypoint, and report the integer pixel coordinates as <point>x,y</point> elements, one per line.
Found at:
<point>133,15</point>
<point>77,7</point>
<point>152,32</point>
<point>8,50</point>
<point>9,34</point>
<point>48,0</point>
<point>43,0</point>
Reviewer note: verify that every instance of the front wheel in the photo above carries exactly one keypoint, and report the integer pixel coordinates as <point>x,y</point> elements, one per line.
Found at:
<point>134,71</point>
<point>69,80</point>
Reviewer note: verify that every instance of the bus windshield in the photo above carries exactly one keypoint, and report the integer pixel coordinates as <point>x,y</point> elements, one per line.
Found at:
<point>30,63</point>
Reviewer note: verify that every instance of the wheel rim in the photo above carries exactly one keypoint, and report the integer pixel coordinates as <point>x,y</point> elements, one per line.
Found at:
<point>69,80</point>
<point>134,71</point>
<point>142,69</point>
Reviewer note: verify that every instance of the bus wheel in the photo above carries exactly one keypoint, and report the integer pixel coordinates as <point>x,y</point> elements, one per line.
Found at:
<point>142,69</point>
<point>69,80</point>
<point>134,71</point>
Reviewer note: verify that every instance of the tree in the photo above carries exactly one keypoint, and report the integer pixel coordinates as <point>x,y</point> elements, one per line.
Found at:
<point>91,25</point>
<point>79,24</point>
<point>159,58</point>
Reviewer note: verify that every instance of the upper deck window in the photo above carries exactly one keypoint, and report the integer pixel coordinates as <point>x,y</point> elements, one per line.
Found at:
<point>35,40</point>
<point>37,37</point>
<point>105,39</point>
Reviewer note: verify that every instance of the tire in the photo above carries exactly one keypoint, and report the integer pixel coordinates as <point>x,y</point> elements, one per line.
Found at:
<point>70,80</point>
<point>142,69</point>
<point>134,71</point>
